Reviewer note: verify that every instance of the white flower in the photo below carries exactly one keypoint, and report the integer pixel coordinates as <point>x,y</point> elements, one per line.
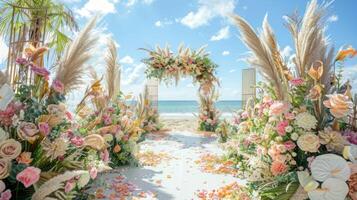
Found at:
<point>293,154</point>
<point>15,120</point>
<point>294,136</point>
<point>279,139</point>
<point>83,180</point>
<point>288,129</point>
<point>306,121</point>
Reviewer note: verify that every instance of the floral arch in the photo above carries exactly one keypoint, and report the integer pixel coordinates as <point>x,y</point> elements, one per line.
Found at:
<point>166,66</point>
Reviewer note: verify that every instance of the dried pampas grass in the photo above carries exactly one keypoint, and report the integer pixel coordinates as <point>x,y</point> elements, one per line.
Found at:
<point>112,76</point>
<point>310,42</point>
<point>265,56</point>
<point>72,66</point>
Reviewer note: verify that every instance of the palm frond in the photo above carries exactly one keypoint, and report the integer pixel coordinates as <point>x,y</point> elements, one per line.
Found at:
<point>72,65</point>
<point>264,54</point>
<point>112,70</point>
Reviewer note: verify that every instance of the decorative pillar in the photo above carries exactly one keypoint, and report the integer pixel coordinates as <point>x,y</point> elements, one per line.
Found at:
<point>248,83</point>
<point>153,91</point>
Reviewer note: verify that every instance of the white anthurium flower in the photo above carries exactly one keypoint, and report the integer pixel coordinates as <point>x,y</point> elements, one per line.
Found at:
<point>330,166</point>
<point>350,152</point>
<point>306,181</point>
<point>6,96</point>
<point>331,189</point>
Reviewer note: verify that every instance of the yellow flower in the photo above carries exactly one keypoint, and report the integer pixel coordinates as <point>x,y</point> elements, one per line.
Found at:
<point>316,70</point>
<point>342,54</point>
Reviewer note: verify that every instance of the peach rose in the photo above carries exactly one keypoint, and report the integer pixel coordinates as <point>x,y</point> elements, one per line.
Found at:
<point>5,167</point>
<point>10,149</point>
<point>29,176</point>
<point>278,108</point>
<point>24,158</point>
<point>278,168</point>
<point>28,131</point>
<point>339,105</point>
<point>309,142</point>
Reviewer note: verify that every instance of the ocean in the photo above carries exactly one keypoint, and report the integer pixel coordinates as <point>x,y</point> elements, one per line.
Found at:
<point>173,107</point>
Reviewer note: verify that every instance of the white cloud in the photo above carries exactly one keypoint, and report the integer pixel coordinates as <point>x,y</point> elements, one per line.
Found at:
<point>223,33</point>
<point>148,2</point>
<point>131,3</point>
<point>286,52</point>
<point>333,18</point>
<point>158,23</point>
<point>232,70</point>
<point>207,10</point>
<point>100,7</point>
<point>127,60</point>
<point>135,75</point>
<point>225,53</point>
<point>350,73</point>
<point>165,22</point>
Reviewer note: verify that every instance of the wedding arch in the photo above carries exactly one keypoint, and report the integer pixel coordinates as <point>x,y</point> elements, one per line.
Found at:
<point>164,65</point>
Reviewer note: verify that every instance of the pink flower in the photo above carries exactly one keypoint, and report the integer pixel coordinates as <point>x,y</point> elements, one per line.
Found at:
<point>278,168</point>
<point>69,186</point>
<point>289,116</point>
<point>58,86</point>
<point>125,138</point>
<point>77,141</point>
<point>309,160</point>
<point>106,119</point>
<point>297,81</point>
<point>44,128</point>
<point>69,116</point>
<point>40,71</point>
<point>6,195</point>
<point>29,176</point>
<point>105,156</point>
<point>244,115</point>
<point>280,127</point>
<point>2,186</point>
<point>289,145</point>
<point>21,61</point>
<point>93,172</point>
<point>278,108</point>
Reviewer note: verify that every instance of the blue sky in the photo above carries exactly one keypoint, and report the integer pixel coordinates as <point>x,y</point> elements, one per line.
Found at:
<point>138,24</point>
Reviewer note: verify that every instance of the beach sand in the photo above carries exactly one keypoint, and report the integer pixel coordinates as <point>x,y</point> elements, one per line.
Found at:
<point>178,123</point>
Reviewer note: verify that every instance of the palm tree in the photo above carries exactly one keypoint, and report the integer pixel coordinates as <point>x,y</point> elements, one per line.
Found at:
<point>56,18</point>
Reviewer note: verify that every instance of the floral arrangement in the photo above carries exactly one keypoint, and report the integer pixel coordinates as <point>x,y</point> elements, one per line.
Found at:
<point>164,65</point>
<point>208,118</point>
<point>295,139</point>
<point>147,114</point>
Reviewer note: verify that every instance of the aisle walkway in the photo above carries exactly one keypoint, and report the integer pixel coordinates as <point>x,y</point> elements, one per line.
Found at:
<point>175,172</point>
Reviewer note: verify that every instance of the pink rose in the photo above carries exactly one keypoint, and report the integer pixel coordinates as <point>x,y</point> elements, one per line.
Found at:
<point>106,119</point>
<point>40,71</point>
<point>289,145</point>
<point>280,127</point>
<point>278,168</point>
<point>69,186</point>
<point>29,176</point>
<point>44,128</point>
<point>77,141</point>
<point>6,195</point>
<point>93,172</point>
<point>278,108</point>
<point>58,86</point>
<point>27,131</point>
<point>105,156</point>
<point>297,81</point>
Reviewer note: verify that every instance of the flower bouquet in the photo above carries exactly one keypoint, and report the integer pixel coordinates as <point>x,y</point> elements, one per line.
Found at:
<point>208,118</point>
<point>293,140</point>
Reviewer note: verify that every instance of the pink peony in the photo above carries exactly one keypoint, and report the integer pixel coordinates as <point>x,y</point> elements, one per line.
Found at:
<point>77,141</point>
<point>297,81</point>
<point>58,86</point>
<point>69,186</point>
<point>6,195</point>
<point>44,128</point>
<point>278,168</point>
<point>280,127</point>
<point>40,71</point>
<point>29,176</point>
<point>278,108</point>
<point>289,145</point>
<point>93,172</point>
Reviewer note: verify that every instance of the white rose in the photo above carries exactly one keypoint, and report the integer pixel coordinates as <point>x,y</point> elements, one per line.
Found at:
<point>288,129</point>
<point>294,136</point>
<point>293,154</point>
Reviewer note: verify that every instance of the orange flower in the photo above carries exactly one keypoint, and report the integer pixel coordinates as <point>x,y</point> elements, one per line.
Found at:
<point>315,92</point>
<point>35,53</point>
<point>342,54</point>
<point>339,105</point>
<point>24,158</point>
<point>116,148</point>
<point>316,70</point>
